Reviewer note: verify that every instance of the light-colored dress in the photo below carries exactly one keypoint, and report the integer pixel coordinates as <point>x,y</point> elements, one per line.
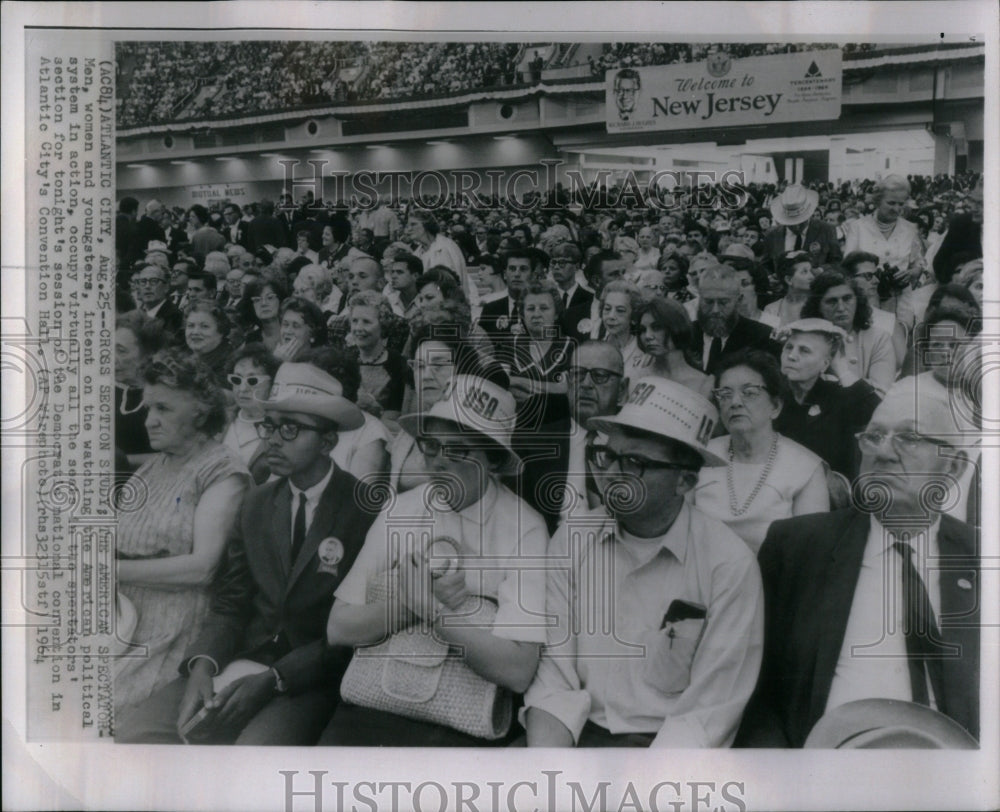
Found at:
<point>793,467</point>
<point>170,619</point>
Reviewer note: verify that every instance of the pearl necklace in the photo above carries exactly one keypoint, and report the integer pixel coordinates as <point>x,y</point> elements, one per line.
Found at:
<point>739,511</point>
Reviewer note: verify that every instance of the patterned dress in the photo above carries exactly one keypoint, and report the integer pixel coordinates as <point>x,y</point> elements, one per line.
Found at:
<point>170,619</point>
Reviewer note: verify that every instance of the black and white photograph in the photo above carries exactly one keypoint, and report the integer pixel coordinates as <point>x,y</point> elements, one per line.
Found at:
<point>611,401</point>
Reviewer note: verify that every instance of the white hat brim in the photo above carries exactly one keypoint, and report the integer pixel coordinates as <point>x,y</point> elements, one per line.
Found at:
<point>602,424</point>
<point>337,409</point>
<point>412,424</point>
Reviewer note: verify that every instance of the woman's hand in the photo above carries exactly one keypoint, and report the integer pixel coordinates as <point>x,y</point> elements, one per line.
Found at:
<point>198,693</point>
<point>521,388</point>
<point>287,350</point>
<point>367,403</point>
<point>416,591</point>
<point>844,368</point>
<point>450,589</point>
<point>242,699</point>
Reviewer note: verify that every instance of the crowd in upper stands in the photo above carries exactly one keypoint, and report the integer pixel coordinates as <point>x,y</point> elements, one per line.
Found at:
<point>166,81</point>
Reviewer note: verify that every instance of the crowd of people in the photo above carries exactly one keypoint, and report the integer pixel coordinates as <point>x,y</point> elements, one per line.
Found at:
<point>166,81</point>
<point>382,450</point>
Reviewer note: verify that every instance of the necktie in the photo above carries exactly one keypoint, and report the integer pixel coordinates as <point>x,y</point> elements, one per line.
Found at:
<point>299,529</point>
<point>565,299</point>
<point>593,492</point>
<point>798,240</point>
<point>921,632</point>
<point>714,355</point>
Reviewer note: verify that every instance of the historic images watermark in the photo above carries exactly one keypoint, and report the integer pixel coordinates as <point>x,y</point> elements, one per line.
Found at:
<point>664,190</point>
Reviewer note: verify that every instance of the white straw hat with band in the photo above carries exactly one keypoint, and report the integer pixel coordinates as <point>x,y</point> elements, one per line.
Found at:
<point>476,405</point>
<point>794,205</point>
<point>308,389</point>
<point>660,406</point>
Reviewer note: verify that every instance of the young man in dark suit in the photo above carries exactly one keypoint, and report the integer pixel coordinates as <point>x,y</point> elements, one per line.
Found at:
<point>499,316</point>
<point>583,322</point>
<point>880,600</point>
<point>296,538</point>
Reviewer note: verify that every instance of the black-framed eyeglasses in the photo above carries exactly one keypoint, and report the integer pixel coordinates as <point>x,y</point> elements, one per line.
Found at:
<point>287,430</point>
<point>432,446</point>
<point>148,281</point>
<point>561,261</point>
<point>905,443</point>
<point>603,457</point>
<point>597,375</point>
<point>249,380</point>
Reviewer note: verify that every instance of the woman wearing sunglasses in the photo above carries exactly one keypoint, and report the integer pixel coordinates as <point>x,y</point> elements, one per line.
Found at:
<point>767,476</point>
<point>249,380</point>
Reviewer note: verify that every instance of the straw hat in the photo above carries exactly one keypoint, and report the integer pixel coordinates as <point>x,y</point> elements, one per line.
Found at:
<point>871,724</point>
<point>661,406</point>
<point>308,389</point>
<point>794,205</point>
<point>476,405</point>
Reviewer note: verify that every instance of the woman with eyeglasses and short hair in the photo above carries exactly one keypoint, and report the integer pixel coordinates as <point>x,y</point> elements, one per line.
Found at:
<point>463,507</point>
<point>174,520</point>
<point>767,476</point>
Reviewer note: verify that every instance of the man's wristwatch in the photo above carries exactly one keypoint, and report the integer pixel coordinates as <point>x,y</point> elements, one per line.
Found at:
<point>280,686</point>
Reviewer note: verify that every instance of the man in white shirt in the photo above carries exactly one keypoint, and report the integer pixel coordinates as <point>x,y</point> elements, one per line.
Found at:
<point>880,600</point>
<point>658,608</point>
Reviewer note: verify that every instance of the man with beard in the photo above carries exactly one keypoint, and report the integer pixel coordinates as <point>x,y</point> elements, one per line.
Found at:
<point>297,537</point>
<point>720,330</point>
<point>556,480</point>
<point>659,611</point>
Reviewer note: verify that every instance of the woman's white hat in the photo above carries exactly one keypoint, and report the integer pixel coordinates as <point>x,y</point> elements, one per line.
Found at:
<point>308,389</point>
<point>477,405</point>
<point>661,406</point>
<point>794,205</point>
<point>810,326</point>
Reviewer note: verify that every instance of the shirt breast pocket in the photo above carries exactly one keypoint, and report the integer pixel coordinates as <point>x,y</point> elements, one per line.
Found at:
<point>670,655</point>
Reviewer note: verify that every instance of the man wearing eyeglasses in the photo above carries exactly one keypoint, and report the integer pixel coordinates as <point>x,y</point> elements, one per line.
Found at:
<point>658,608</point>
<point>565,269</point>
<point>879,600</point>
<point>556,479</point>
<point>297,537</point>
<point>152,285</point>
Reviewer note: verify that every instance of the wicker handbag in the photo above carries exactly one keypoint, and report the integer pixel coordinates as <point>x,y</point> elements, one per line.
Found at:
<point>416,675</point>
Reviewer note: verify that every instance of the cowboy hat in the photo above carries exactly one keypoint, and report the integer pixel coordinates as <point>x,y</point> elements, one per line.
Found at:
<point>794,205</point>
<point>310,390</point>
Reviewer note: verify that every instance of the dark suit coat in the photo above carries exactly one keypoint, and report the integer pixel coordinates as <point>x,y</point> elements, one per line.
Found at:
<point>545,453</point>
<point>242,234</point>
<point>962,236</point>
<point>810,567</point>
<point>491,316</point>
<point>146,230</point>
<point>820,242</point>
<point>268,608</point>
<point>569,321</point>
<point>171,319</point>
<point>747,334</point>
<point>581,297</point>
<point>266,231</point>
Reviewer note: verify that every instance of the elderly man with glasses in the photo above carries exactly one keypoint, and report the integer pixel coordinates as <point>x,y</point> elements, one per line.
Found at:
<point>878,601</point>
<point>658,609</point>
<point>152,287</point>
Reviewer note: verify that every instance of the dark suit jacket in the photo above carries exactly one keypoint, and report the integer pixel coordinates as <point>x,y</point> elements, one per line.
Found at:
<point>491,319</point>
<point>145,231</point>
<point>820,242</point>
<point>268,608</point>
<point>242,234</point>
<point>963,236</point>
<point>810,567</point>
<point>171,319</point>
<point>747,334</point>
<point>572,317</point>
<point>266,231</point>
<point>545,453</point>
<point>581,297</point>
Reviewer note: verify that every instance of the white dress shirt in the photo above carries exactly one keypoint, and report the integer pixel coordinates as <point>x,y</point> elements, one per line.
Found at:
<point>312,500</point>
<point>612,659</point>
<point>872,662</point>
